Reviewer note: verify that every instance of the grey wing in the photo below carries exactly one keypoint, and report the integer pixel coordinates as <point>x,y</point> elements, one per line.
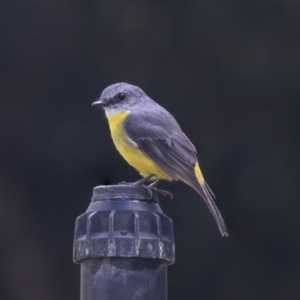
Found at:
<point>172,151</point>
<point>164,143</point>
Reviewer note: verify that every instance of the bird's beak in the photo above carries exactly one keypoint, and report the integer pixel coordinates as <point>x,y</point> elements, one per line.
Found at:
<point>98,104</point>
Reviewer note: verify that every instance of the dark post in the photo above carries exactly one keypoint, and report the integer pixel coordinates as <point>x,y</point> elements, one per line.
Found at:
<point>124,243</point>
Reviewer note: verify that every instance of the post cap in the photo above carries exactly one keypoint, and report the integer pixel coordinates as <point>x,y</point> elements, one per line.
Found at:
<point>122,221</point>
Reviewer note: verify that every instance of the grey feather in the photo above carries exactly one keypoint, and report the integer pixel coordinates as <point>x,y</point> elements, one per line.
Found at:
<point>172,151</point>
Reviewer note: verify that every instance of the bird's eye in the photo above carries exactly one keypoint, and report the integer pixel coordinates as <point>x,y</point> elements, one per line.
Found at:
<point>121,96</point>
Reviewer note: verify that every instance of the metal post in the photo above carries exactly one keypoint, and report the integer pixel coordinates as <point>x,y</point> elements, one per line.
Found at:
<point>124,243</point>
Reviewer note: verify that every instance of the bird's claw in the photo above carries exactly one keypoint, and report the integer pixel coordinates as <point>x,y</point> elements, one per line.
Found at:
<point>151,187</point>
<point>124,182</point>
<point>142,181</point>
<point>163,192</point>
<point>149,190</point>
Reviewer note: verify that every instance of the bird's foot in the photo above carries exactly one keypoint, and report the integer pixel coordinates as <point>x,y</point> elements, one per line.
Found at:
<point>163,192</point>
<point>124,182</point>
<point>149,190</point>
<point>154,187</point>
<point>139,182</point>
<point>151,187</point>
<point>143,180</point>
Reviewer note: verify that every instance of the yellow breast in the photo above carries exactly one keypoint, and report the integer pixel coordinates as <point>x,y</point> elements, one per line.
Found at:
<point>135,157</point>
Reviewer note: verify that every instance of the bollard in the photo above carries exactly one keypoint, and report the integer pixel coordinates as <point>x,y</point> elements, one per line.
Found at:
<point>124,244</point>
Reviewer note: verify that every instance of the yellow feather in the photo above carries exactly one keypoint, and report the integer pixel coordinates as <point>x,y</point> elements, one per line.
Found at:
<point>198,174</point>
<point>135,157</point>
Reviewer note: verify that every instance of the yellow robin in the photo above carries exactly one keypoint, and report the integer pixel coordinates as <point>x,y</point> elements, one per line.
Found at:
<point>151,141</point>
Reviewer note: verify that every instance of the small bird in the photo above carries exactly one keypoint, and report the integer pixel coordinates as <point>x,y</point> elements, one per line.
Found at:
<point>150,140</point>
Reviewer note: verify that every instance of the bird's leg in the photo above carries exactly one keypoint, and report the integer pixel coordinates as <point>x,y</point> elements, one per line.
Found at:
<point>154,184</point>
<point>164,193</point>
<point>143,180</point>
<point>154,187</point>
<point>139,182</point>
<point>149,190</point>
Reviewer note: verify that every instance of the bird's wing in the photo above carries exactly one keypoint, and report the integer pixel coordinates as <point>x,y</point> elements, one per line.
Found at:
<point>162,140</point>
<point>164,143</point>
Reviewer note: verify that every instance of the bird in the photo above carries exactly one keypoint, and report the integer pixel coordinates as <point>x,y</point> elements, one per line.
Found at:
<point>151,141</point>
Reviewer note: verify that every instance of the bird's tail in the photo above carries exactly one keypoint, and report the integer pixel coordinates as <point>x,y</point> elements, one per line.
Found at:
<point>203,189</point>
<point>205,192</point>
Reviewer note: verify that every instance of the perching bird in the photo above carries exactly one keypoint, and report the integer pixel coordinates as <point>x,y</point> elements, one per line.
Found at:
<point>151,141</point>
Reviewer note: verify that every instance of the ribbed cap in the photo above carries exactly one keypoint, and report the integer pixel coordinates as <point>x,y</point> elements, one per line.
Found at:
<point>122,221</point>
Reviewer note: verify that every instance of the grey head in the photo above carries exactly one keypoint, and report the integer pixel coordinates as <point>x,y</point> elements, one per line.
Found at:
<point>121,96</point>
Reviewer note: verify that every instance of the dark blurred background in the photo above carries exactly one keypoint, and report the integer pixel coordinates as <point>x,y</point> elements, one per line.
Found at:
<point>229,72</point>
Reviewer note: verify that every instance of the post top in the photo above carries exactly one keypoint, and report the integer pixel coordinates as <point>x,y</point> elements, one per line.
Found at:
<point>124,192</point>
<point>123,221</point>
